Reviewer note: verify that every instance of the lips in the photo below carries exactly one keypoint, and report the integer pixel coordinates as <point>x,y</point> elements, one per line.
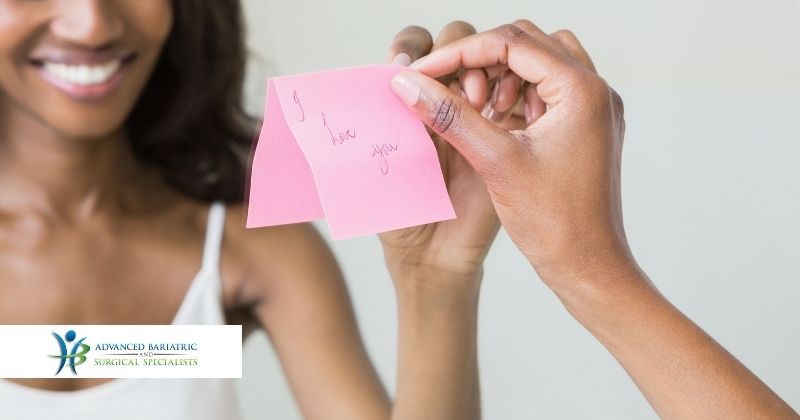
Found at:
<point>83,75</point>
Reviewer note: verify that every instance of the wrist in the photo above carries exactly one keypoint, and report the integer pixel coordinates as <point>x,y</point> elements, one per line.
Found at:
<point>437,287</point>
<point>580,264</point>
<point>597,291</point>
<point>448,263</point>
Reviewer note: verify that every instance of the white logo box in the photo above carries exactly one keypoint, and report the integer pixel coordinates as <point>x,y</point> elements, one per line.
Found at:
<point>121,351</point>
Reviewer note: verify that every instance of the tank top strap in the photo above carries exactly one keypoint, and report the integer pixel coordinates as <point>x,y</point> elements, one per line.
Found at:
<point>215,230</point>
<point>202,303</point>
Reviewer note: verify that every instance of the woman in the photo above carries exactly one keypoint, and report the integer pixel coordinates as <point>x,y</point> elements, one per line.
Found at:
<point>121,144</point>
<point>119,124</point>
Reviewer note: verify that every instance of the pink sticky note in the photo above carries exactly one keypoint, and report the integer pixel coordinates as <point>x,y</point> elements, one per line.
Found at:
<point>339,144</point>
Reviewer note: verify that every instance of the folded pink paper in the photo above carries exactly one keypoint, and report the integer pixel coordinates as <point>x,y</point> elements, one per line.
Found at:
<point>339,144</point>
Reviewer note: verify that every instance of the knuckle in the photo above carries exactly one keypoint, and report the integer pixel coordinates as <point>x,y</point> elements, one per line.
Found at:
<point>414,40</point>
<point>599,98</point>
<point>411,47</point>
<point>593,86</point>
<point>523,23</point>
<point>511,32</point>
<point>599,93</point>
<point>445,114</point>
<point>459,26</point>
<point>564,35</point>
<point>414,30</point>
<point>578,81</point>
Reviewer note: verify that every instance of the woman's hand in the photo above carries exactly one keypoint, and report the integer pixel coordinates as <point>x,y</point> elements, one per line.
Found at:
<point>556,187</point>
<point>555,183</point>
<point>453,249</point>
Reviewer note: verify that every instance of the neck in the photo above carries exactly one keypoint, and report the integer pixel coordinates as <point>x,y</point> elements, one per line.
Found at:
<point>61,177</point>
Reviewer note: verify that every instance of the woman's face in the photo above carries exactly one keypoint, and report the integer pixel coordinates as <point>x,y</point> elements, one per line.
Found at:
<point>78,66</point>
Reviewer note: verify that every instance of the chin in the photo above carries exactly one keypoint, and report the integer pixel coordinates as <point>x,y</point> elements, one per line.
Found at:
<point>87,127</point>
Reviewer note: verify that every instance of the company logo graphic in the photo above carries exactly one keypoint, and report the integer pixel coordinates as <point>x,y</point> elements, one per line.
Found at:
<point>78,352</point>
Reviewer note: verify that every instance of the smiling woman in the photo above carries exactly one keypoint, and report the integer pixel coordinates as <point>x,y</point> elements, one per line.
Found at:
<point>85,76</point>
<point>122,144</point>
<point>68,66</point>
<point>106,108</point>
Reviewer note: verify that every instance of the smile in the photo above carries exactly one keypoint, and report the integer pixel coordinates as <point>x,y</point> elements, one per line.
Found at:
<point>83,75</point>
<point>84,79</point>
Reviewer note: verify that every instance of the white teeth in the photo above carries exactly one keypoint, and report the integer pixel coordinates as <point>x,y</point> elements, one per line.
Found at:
<point>81,74</point>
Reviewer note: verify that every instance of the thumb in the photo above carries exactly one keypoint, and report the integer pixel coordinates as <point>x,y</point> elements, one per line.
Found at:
<point>482,143</point>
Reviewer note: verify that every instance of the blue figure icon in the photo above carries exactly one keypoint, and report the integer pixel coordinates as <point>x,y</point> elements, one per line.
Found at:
<point>79,351</point>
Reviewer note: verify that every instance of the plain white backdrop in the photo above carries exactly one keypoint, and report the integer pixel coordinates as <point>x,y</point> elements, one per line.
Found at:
<point>711,189</point>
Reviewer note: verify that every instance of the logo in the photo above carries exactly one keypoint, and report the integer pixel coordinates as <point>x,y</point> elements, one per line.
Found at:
<point>78,352</point>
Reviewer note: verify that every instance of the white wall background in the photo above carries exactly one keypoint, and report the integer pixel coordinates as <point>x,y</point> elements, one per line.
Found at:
<point>711,191</point>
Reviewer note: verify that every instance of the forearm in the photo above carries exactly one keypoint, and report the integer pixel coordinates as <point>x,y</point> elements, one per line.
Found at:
<point>437,368</point>
<point>682,371</point>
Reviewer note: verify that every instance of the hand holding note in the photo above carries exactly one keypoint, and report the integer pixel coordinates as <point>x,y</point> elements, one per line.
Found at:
<point>449,253</point>
<point>340,144</point>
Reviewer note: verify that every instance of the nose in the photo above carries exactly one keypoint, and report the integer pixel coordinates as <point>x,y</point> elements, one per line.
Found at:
<point>87,23</point>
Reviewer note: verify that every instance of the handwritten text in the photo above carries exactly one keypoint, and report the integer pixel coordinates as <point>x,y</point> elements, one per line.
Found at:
<point>383,151</point>
<point>340,137</point>
<point>302,116</point>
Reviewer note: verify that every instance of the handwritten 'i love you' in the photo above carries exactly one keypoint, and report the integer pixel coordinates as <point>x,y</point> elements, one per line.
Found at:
<point>337,138</point>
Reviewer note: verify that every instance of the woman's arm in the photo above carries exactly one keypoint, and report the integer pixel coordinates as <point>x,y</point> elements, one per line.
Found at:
<point>437,372</point>
<point>681,370</point>
<point>556,187</point>
<point>297,293</point>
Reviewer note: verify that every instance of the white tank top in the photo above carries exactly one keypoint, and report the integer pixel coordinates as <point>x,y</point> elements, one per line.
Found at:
<point>138,399</point>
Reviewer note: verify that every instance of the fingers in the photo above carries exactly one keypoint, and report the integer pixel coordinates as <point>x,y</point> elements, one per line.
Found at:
<point>535,59</point>
<point>452,32</point>
<point>564,38</point>
<point>480,141</point>
<point>516,120</point>
<point>505,94</point>
<point>570,43</point>
<point>531,29</point>
<point>506,91</point>
<point>411,43</point>
<point>475,87</point>
<point>534,106</point>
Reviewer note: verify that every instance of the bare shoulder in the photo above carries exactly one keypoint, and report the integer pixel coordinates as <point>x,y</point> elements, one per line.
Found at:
<point>268,247</point>
<point>270,260</point>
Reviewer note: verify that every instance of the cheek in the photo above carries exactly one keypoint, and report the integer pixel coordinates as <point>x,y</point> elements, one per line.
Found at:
<point>16,25</point>
<point>151,18</point>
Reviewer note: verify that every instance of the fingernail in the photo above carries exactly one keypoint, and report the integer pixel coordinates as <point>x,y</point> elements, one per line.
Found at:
<point>492,115</point>
<point>496,91</point>
<point>402,59</point>
<point>528,116</point>
<point>415,65</point>
<point>406,88</point>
